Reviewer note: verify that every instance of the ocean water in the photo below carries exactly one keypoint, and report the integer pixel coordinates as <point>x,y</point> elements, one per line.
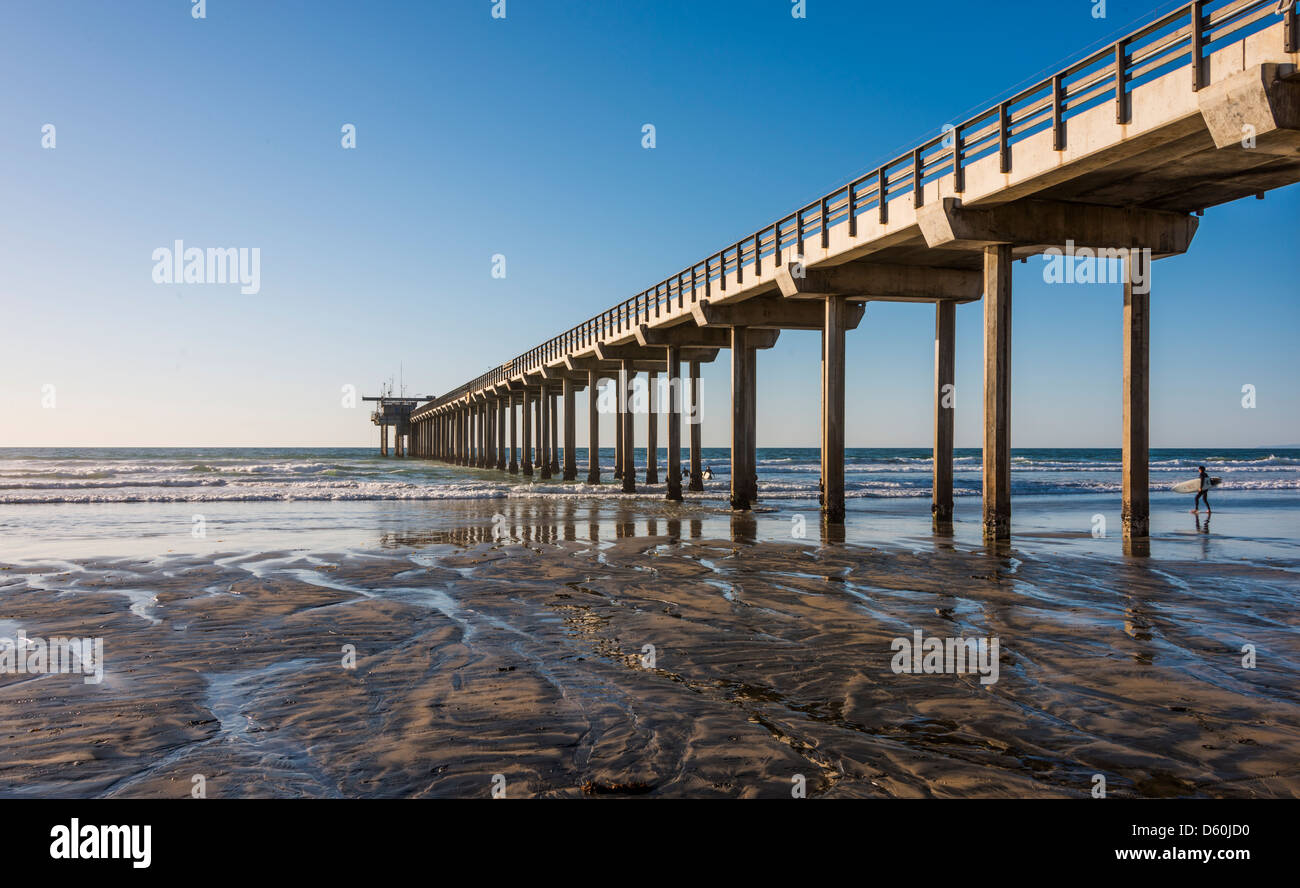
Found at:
<point>205,475</point>
<point>150,502</point>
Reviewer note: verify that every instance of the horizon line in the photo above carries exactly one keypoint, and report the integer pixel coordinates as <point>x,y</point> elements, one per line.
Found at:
<point>611,447</point>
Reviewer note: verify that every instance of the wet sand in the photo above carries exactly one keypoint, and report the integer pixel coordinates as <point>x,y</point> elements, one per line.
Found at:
<point>523,657</point>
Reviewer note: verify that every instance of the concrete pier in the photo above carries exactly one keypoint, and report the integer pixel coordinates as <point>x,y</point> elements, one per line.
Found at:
<point>1062,165</point>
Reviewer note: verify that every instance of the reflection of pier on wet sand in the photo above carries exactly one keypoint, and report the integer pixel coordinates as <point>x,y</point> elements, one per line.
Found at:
<point>522,654</point>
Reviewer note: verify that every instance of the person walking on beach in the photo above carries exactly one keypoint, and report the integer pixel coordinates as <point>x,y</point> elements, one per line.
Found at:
<point>1204,492</point>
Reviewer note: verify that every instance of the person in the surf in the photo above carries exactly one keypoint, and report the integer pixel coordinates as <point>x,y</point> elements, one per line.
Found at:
<point>708,473</point>
<point>1203,493</point>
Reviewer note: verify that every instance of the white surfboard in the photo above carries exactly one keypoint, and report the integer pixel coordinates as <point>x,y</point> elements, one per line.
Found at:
<point>1194,485</point>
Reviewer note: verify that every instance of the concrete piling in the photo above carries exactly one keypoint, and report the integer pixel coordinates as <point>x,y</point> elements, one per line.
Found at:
<point>997,391</point>
<point>1136,483</point>
<point>941,502</point>
<point>674,467</point>
<point>593,429</point>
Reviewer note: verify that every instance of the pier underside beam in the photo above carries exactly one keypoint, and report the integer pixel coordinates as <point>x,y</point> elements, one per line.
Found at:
<point>766,316</point>
<point>877,282</point>
<point>1039,225</point>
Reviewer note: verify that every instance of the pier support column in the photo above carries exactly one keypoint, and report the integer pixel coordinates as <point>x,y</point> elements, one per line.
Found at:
<point>674,467</point>
<point>383,440</point>
<point>1136,513</point>
<point>997,391</point>
<point>480,436</point>
<point>554,425</point>
<point>537,434</point>
<point>570,434</point>
<point>652,429</point>
<point>526,462</point>
<point>513,468</point>
<point>544,432</point>
<point>593,429</point>
<point>620,405</point>
<point>502,406</point>
<point>945,325</point>
<point>696,482</point>
<point>628,375</point>
<point>832,432</point>
<point>743,493</point>
<point>485,435</point>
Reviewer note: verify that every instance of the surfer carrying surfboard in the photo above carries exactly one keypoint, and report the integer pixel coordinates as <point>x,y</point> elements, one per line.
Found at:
<point>1203,492</point>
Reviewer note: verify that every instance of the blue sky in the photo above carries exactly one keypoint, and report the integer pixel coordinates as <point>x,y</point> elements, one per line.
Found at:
<point>522,137</point>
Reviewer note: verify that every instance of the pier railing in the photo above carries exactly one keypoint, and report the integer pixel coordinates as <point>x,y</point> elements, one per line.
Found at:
<point>1184,38</point>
